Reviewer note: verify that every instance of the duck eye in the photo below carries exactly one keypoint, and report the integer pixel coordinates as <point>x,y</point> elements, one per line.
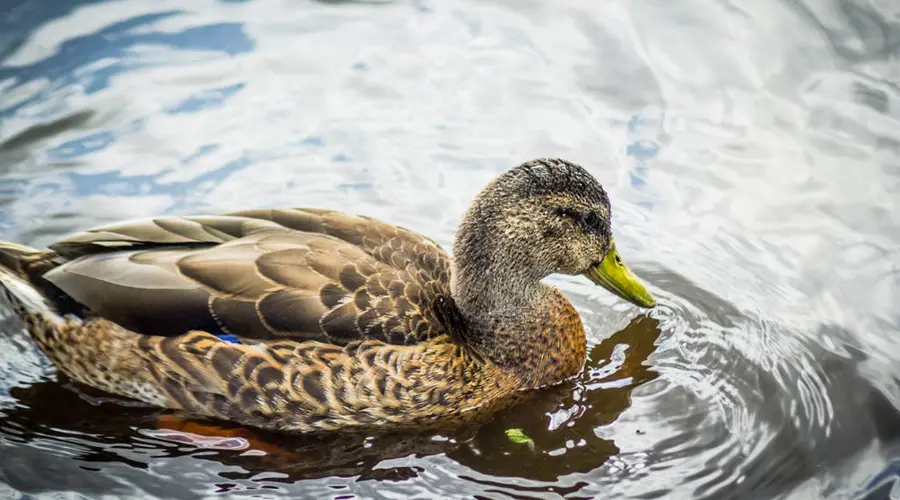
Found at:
<point>590,220</point>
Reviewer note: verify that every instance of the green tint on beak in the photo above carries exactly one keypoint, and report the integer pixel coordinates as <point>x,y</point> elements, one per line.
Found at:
<point>611,273</point>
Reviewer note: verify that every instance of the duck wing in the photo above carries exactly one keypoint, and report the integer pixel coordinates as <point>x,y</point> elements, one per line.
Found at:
<point>302,274</point>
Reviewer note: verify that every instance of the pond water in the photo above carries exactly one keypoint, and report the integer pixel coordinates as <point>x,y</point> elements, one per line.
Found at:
<point>751,151</point>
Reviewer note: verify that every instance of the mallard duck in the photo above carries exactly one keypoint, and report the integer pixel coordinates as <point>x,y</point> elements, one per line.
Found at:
<point>311,319</point>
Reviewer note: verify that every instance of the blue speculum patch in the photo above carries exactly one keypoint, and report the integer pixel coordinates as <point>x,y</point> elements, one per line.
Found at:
<point>228,338</point>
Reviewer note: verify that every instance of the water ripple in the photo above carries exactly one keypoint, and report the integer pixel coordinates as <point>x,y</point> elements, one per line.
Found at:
<point>752,152</point>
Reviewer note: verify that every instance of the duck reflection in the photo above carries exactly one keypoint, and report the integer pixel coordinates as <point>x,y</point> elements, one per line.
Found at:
<point>555,428</point>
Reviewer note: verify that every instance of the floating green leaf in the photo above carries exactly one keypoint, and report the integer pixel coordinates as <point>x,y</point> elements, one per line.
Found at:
<point>518,436</point>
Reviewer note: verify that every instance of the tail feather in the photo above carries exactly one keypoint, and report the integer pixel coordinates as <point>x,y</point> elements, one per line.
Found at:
<point>13,256</point>
<point>24,297</point>
<point>22,272</point>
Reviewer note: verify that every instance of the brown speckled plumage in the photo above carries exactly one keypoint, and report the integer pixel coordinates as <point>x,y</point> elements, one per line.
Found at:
<point>343,321</point>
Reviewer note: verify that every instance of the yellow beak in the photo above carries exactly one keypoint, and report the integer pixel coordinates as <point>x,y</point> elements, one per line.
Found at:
<point>611,273</point>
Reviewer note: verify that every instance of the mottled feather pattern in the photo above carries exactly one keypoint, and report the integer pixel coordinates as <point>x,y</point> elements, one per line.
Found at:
<point>310,319</point>
<point>306,274</point>
<point>279,385</point>
<point>337,327</point>
<point>314,386</point>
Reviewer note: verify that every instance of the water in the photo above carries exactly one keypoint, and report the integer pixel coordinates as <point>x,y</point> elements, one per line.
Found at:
<point>751,150</point>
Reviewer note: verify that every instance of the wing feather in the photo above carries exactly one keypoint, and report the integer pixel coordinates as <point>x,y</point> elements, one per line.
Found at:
<point>305,274</point>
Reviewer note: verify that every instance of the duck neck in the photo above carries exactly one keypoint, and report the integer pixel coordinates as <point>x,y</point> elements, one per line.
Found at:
<point>489,274</point>
<point>526,327</point>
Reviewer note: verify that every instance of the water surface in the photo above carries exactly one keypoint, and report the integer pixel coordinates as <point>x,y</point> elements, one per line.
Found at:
<point>751,151</point>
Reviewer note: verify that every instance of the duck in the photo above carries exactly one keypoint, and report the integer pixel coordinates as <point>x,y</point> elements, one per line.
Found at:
<point>313,319</point>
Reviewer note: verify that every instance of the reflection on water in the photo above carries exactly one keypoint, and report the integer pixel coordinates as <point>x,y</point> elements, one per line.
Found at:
<point>752,153</point>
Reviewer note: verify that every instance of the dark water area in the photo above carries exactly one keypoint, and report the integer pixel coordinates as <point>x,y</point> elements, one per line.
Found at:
<point>751,151</point>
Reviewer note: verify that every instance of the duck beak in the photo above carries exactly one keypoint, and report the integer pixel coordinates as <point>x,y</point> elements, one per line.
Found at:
<point>612,274</point>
